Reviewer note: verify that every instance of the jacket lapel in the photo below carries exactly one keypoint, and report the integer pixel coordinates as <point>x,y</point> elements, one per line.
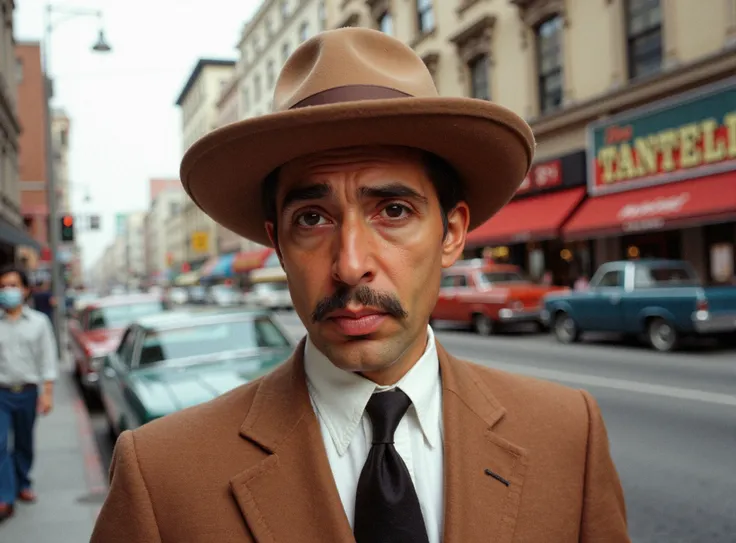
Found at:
<point>484,473</point>
<point>291,494</point>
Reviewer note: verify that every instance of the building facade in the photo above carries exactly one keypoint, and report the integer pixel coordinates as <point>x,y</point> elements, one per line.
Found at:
<point>198,103</point>
<point>617,93</point>
<point>134,243</point>
<point>267,40</point>
<point>164,208</point>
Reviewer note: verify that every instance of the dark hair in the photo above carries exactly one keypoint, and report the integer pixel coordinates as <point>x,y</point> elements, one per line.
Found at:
<point>444,177</point>
<point>12,268</point>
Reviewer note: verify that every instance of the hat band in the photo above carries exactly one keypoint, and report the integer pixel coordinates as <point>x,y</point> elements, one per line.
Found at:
<point>350,93</point>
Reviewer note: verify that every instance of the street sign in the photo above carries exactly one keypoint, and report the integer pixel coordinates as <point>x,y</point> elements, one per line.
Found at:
<point>94,222</point>
<point>200,242</point>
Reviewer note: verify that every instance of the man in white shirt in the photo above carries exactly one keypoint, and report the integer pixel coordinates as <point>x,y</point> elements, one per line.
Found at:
<point>366,183</point>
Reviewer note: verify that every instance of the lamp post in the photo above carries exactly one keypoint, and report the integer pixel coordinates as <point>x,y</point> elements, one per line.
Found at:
<point>100,46</point>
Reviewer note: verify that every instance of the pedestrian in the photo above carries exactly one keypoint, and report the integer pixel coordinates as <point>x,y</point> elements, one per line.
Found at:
<point>366,182</point>
<point>28,369</point>
<point>43,299</point>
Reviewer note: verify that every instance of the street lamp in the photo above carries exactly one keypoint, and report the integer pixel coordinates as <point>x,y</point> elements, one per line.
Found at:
<point>101,46</point>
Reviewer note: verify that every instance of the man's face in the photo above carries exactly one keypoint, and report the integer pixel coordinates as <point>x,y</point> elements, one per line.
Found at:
<point>360,236</point>
<point>13,280</point>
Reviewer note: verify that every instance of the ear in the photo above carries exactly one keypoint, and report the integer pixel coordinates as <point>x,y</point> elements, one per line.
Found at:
<point>271,231</point>
<point>457,228</point>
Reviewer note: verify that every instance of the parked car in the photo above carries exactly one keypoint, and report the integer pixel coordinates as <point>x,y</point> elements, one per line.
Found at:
<point>270,289</point>
<point>489,296</point>
<point>97,330</point>
<point>225,296</point>
<point>197,294</point>
<point>165,363</point>
<point>177,296</point>
<point>661,299</point>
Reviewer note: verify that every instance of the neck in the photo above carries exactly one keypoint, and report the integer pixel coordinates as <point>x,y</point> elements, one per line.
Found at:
<point>393,374</point>
<point>15,312</point>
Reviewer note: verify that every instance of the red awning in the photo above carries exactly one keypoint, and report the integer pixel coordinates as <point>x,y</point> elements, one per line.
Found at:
<point>707,199</point>
<point>245,262</point>
<point>536,218</point>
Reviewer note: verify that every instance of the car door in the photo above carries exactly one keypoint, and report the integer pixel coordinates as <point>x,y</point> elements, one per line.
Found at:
<point>603,310</point>
<point>114,378</point>
<point>446,308</point>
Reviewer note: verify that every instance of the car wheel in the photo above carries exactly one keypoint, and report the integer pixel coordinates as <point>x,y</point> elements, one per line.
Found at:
<point>482,324</point>
<point>662,335</point>
<point>566,331</point>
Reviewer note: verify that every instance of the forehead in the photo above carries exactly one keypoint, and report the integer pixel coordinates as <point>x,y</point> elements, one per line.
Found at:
<point>11,278</point>
<point>403,161</point>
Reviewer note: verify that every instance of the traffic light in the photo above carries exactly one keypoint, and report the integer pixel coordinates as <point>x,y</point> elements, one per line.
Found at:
<point>67,228</point>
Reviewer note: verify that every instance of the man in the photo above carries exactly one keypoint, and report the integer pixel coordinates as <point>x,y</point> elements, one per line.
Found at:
<point>366,183</point>
<point>28,369</point>
<point>43,299</point>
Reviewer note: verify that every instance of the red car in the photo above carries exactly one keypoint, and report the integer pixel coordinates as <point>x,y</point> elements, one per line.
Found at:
<point>97,329</point>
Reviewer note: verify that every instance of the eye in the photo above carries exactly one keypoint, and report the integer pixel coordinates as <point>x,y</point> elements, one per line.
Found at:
<point>309,219</point>
<point>396,211</point>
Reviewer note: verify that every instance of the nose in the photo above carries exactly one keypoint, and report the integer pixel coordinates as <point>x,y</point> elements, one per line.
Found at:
<point>353,260</point>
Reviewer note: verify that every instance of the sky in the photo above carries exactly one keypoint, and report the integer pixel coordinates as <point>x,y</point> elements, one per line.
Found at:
<point>125,128</point>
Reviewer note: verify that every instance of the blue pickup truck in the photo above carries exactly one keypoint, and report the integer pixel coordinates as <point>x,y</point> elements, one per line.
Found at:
<point>663,300</point>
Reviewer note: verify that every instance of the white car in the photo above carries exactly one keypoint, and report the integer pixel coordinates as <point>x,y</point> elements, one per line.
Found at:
<point>225,296</point>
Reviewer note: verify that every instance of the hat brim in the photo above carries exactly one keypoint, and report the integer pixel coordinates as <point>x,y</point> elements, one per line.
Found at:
<point>490,147</point>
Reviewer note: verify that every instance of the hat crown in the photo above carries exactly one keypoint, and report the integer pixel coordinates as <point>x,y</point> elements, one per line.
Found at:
<point>351,58</point>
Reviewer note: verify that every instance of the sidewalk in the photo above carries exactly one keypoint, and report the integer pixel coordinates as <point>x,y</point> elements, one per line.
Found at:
<point>67,475</point>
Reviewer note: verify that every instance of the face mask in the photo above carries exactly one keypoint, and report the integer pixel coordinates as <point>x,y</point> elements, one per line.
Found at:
<point>11,297</point>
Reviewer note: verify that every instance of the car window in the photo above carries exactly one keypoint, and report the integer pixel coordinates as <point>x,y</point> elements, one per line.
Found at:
<point>613,278</point>
<point>210,338</point>
<point>120,316</point>
<point>503,277</point>
<point>668,276</point>
<point>453,281</point>
<point>127,347</point>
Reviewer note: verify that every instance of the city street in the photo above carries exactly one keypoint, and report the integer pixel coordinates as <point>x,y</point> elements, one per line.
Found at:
<point>671,421</point>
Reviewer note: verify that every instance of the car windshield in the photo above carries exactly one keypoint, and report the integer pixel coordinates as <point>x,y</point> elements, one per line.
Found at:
<point>211,339</point>
<point>270,287</point>
<point>120,316</point>
<point>503,277</point>
<point>665,276</point>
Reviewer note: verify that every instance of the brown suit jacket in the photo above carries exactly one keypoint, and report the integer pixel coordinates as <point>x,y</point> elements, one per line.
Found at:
<point>251,466</point>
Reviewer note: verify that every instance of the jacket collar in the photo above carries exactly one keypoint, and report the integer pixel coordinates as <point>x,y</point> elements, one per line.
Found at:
<point>483,472</point>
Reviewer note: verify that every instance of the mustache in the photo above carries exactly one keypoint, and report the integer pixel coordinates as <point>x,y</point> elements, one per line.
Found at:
<point>363,295</point>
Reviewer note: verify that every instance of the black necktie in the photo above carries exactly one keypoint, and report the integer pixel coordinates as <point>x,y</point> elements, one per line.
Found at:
<point>386,505</point>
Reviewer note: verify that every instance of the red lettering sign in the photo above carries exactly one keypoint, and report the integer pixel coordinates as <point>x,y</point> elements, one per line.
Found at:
<point>542,176</point>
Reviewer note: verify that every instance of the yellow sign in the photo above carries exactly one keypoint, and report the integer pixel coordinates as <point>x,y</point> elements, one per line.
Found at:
<point>200,242</point>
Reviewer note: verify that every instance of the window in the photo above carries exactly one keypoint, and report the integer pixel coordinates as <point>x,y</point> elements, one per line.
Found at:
<point>614,278</point>
<point>269,26</point>
<point>425,16</point>
<point>549,62</point>
<point>322,15</point>
<point>479,86</point>
<point>644,37</point>
<point>454,281</point>
<point>257,88</point>
<point>246,99</point>
<point>270,75</point>
<point>303,31</point>
<point>205,340</point>
<point>19,70</point>
<point>126,348</point>
<point>285,10</point>
<point>285,51</point>
<point>386,23</point>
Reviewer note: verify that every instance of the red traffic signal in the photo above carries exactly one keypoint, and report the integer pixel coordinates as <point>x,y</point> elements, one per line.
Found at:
<point>67,221</point>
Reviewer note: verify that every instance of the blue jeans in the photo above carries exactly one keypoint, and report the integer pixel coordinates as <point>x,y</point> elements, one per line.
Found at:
<point>17,415</point>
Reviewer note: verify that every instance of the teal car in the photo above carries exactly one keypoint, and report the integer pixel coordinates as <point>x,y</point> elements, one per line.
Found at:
<point>175,360</point>
<point>662,300</point>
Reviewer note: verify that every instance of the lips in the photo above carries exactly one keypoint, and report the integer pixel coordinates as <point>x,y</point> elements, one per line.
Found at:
<point>357,323</point>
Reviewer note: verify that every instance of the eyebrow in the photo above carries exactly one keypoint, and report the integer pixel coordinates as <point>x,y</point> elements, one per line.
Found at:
<point>323,190</point>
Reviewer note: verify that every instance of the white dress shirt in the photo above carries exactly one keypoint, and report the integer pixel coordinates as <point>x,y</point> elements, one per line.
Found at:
<point>339,399</point>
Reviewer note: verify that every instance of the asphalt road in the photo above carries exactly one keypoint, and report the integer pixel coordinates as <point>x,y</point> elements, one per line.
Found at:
<point>671,421</point>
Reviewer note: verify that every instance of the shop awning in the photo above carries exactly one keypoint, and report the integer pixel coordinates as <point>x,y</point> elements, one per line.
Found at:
<point>222,267</point>
<point>12,235</point>
<point>531,219</point>
<point>709,199</point>
<point>245,262</point>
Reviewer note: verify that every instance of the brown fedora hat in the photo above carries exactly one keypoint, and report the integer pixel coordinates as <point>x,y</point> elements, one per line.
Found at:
<point>355,87</point>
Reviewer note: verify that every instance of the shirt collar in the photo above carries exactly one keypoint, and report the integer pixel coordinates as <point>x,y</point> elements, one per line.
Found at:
<point>340,396</point>
<point>25,313</point>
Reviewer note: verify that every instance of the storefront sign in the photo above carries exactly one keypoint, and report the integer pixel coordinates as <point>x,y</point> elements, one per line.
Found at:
<point>684,137</point>
<point>544,175</point>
